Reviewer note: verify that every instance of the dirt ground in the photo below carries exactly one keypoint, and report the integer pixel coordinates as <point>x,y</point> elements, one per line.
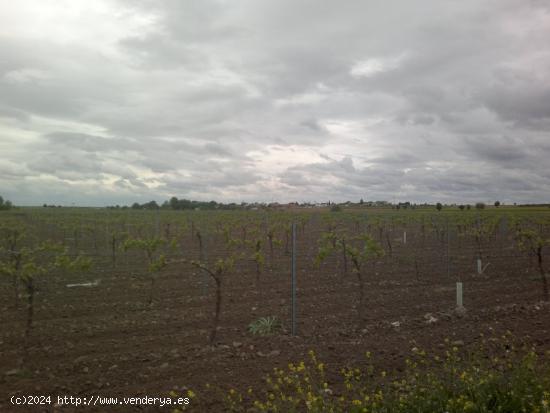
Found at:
<point>105,340</point>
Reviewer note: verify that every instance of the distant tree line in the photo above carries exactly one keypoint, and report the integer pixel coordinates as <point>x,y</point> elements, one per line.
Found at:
<point>181,204</point>
<point>175,203</point>
<point>5,205</point>
<point>185,204</point>
<point>147,205</point>
<point>534,205</point>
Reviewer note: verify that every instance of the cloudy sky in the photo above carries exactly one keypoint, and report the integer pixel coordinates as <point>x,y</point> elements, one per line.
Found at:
<point>111,101</point>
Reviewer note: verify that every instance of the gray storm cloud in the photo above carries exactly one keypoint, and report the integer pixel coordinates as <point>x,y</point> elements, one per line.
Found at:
<point>115,102</point>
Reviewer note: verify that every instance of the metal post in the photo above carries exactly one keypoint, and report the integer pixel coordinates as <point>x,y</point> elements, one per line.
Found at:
<point>127,225</point>
<point>448,250</point>
<point>204,260</point>
<point>459,303</point>
<point>293,280</point>
<point>157,224</point>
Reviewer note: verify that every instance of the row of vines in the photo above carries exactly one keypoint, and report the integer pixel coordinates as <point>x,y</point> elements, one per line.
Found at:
<point>36,245</point>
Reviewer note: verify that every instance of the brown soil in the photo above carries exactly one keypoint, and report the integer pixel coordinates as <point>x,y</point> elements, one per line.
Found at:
<point>104,340</point>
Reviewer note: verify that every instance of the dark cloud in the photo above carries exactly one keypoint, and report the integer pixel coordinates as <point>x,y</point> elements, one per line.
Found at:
<point>282,100</point>
<point>523,102</point>
<point>12,113</point>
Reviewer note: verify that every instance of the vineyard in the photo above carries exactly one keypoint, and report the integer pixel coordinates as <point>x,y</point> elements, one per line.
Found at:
<point>126,302</point>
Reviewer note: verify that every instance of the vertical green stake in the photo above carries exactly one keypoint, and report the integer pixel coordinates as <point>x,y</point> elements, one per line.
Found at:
<point>293,280</point>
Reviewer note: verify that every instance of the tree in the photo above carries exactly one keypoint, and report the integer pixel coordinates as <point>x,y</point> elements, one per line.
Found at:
<point>367,249</point>
<point>42,259</point>
<point>272,240</point>
<point>360,256</point>
<point>439,206</point>
<point>461,207</point>
<point>11,236</point>
<point>5,205</point>
<point>481,232</point>
<point>258,257</point>
<point>156,261</point>
<point>331,242</point>
<point>497,204</point>
<point>174,202</point>
<point>150,205</point>
<point>480,205</point>
<point>532,241</point>
<point>218,272</point>
<point>115,237</point>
